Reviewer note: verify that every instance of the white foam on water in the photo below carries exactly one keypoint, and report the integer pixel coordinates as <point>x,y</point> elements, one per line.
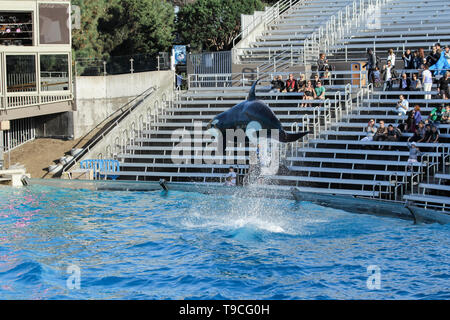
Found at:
<point>225,213</point>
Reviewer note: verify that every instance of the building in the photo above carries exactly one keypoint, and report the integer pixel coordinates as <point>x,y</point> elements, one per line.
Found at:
<point>36,92</point>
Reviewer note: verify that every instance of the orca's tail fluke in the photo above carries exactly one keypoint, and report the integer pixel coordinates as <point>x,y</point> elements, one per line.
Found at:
<point>252,93</point>
<point>292,137</point>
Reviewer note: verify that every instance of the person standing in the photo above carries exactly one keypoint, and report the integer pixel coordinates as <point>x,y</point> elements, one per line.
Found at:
<point>388,75</point>
<point>408,59</point>
<point>371,64</point>
<point>391,56</point>
<point>427,80</point>
<point>443,86</point>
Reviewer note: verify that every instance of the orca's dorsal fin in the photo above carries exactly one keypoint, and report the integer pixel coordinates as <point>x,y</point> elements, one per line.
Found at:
<point>252,93</point>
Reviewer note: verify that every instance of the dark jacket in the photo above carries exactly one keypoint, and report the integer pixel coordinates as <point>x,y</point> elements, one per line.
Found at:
<point>408,84</point>
<point>394,74</point>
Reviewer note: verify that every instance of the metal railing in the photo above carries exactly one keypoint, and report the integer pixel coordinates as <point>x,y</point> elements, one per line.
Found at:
<point>243,79</point>
<point>269,16</point>
<point>341,25</point>
<point>116,117</point>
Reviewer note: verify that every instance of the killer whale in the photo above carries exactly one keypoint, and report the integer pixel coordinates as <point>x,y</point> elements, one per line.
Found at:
<point>253,110</point>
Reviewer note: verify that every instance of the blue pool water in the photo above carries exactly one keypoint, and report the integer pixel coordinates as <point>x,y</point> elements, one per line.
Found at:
<point>147,245</point>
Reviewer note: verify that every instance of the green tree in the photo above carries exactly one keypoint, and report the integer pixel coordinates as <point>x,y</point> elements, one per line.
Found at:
<point>86,42</point>
<point>137,26</point>
<point>213,24</point>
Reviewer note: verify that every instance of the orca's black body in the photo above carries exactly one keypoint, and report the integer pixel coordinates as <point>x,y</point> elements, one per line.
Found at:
<point>239,116</point>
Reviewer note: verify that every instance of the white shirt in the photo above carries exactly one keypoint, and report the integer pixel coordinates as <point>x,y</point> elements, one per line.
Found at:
<point>233,178</point>
<point>388,73</point>
<point>428,78</point>
<point>392,59</point>
<point>404,105</point>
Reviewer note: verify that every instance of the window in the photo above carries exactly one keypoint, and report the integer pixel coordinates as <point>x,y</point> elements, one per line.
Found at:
<point>16,28</point>
<point>21,73</point>
<point>54,23</point>
<point>54,72</point>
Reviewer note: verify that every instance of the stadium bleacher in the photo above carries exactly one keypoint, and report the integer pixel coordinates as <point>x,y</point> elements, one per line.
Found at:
<point>334,160</point>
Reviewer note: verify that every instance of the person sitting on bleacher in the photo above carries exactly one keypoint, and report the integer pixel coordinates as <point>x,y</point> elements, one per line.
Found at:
<point>393,135</point>
<point>322,63</point>
<point>319,91</point>
<point>419,134</point>
<point>301,83</point>
<point>405,83</point>
<point>446,115</point>
<point>326,77</point>
<point>434,135</point>
<point>381,133</point>
<point>308,94</point>
<point>389,75</point>
<point>443,86</point>
<point>277,84</point>
<point>436,115</point>
<point>402,106</point>
<point>291,84</point>
<point>370,130</point>
<point>416,84</point>
<point>314,80</point>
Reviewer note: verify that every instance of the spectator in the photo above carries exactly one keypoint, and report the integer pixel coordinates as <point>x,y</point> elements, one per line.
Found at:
<point>322,64</point>
<point>393,134</point>
<point>405,83</point>
<point>446,115</point>
<point>434,135</point>
<point>422,58</point>
<point>377,77</point>
<point>389,74</point>
<point>414,152</point>
<point>416,84</point>
<point>433,57</point>
<point>319,91</point>
<point>427,134</point>
<point>447,54</point>
<point>408,59</point>
<point>419,134</point>
<point>402,106</point>
<point>417,60</point>
<point>443,86</point>
<point>381,133</point>
<point>410,122</point>
<point>308,93</point>
<point>391,57</point>
<point>277,84</point>
<point>291,84</point>
<point>326,77</point>
<point>370,131</point>
<point>427,80</point>
<point>371,64</point>
<point>315,80</point>
<point>231,177</point>
<point>301,83</point>
<point>417,115</point>
<point>436,115</point>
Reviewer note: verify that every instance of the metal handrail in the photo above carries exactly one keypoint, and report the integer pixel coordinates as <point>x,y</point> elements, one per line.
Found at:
<point>269,16</point>
<point>124,114</point>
